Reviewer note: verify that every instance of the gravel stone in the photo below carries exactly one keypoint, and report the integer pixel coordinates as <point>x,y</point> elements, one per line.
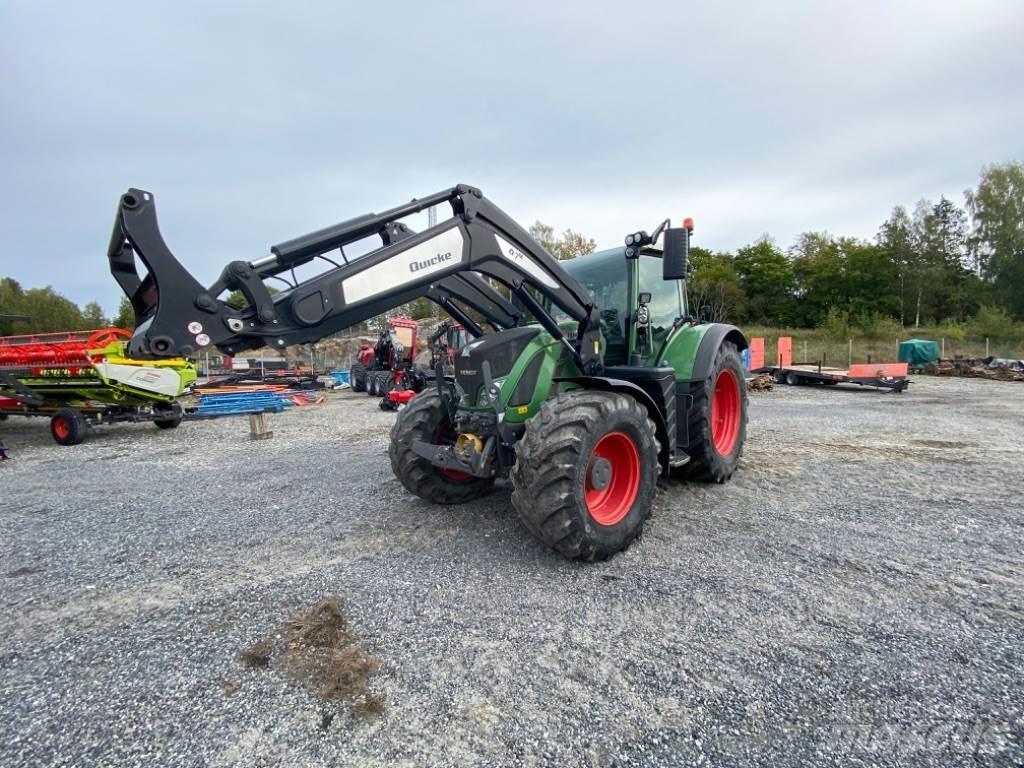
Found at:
<point>854,596</point>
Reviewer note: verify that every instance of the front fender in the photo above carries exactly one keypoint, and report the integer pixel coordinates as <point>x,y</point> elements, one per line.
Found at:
<point>607,384</point>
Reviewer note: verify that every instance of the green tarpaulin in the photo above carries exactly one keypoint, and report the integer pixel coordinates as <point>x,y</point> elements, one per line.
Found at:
<point>918,352</point>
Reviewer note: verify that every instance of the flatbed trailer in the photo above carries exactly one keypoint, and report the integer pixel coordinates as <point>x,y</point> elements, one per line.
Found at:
<point>891,376</point>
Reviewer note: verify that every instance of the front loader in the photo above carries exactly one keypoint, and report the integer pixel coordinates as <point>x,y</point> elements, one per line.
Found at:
<point>595,379</point>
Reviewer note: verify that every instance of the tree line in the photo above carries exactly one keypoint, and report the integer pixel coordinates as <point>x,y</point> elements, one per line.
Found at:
<point>942,263</point>
<point>46,311</point>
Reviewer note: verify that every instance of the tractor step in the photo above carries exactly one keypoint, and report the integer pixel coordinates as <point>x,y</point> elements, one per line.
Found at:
<point>680,460</point>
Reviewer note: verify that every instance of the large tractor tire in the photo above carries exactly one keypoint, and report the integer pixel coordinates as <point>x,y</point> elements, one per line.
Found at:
<point>586,472</point>
<point>357,377</point>
<point>426,418</point>
<point>718,419</point>
<point>67,426</point>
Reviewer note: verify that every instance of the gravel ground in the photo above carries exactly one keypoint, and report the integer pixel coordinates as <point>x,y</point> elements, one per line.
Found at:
<point>854,596</point>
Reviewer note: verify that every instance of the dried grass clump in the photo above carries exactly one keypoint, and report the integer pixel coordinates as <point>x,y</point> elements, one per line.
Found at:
<point>322,651</point>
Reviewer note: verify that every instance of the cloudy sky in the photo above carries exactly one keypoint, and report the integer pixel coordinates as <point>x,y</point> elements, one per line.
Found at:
<point>253,124</point>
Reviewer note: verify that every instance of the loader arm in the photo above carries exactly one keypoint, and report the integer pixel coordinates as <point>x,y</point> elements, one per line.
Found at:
<point>176,315</point>
<point>473,291</point>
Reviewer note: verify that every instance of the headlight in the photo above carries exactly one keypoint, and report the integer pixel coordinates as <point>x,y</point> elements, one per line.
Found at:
<point>490,395</point>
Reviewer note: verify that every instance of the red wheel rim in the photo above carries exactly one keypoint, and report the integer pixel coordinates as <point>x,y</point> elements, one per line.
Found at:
<point>61,428</point>
<point>609,504</point>
<point>725,412</point>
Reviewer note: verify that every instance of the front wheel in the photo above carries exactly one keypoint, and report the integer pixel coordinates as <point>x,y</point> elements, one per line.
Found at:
<point>426,418</point>
<point>67,426</point>
<point>717,422</point>
<point>586,472</point>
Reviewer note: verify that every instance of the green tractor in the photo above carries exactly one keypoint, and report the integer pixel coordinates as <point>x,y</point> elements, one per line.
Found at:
<point>595,377</point>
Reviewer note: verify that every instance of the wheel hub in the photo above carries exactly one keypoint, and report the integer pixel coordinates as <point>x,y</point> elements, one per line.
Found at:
<point>600,473</point>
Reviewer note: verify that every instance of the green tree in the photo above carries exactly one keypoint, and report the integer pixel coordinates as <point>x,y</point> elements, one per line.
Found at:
<point>997,236</point>
<point>869,275</point>
<point>766,276</point>
<point>715,286</point>
<point>92,315</point>
<point>12,302</point>
<point>568,246</point>
<point>125,317</point>
<point>236,299</point>
<point>896,238</point>
<point>819,276</point>
<point>51,312</point>
<point>940,233</point>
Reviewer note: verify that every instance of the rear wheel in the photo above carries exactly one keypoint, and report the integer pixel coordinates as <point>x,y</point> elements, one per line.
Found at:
<point>67,426</point>
<point>426,418</point>
<point>718,419</point>
<point>792,379</point>
<point>586,472</point>
<point>357,377</point>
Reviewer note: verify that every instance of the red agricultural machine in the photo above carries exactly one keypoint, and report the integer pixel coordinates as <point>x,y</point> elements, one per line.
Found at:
<point>387,364</point>
<point>443,343</point>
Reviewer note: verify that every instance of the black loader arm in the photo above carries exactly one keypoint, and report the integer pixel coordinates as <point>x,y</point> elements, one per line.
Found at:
<point>447,263</point>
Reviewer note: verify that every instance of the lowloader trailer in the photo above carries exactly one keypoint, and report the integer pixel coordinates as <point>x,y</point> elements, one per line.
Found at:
<point>596,378</point>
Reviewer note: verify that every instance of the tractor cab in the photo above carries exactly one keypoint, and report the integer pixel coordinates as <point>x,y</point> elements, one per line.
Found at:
<point>638,306</point>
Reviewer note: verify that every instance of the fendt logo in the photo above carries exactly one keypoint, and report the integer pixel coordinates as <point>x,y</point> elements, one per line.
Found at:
<point>440,258</point>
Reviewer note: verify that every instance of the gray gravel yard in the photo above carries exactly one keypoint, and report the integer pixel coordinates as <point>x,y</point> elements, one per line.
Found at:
<point>855,596</point>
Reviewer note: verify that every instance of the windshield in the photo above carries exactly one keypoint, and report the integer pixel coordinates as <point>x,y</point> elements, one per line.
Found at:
<point>604,275</point>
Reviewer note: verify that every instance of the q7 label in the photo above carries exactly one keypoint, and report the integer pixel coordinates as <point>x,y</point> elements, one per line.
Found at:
<point>524,262</point>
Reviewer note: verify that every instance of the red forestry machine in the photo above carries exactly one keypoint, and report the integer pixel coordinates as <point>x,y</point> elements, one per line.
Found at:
<point>388,364</point>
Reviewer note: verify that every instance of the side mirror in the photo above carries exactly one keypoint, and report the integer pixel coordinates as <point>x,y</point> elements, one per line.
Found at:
<point>676,257</point>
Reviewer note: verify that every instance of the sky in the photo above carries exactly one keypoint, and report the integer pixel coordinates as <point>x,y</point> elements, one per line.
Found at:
<point>252,123</point>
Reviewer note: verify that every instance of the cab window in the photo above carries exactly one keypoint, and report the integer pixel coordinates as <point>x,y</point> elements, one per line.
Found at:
<point>666,302</point>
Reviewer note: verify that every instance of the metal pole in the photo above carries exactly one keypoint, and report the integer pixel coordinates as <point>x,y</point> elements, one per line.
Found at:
<point>805,350</point>
<point>986,346</point>
<point>263,371</point>
<point>851,354</point>
<point>943,348</point>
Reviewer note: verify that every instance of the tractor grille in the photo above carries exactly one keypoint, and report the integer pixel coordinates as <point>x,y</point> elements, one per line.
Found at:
<point>500,350</point>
